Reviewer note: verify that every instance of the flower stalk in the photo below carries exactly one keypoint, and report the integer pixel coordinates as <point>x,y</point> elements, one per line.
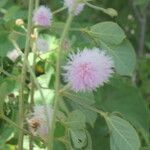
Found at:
<point>23,75</point>
<point>32,81</point>
<point>57,82</point>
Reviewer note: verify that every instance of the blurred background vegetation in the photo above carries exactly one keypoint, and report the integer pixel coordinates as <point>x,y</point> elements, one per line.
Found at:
<point>133,17</point>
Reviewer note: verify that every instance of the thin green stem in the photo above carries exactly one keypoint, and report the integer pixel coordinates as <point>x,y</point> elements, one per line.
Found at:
<point>109,11</point>
<point>10,122</point>
<point>59,10</point>
<point>95,7</point>
<point>7,73</point>
<point>39,88</point>
<point>32,81</point>
<point>15,125</point>
<point>79,101</point>
<point>23,76</point>
<point>18,33</point>
<point>30,69</point>
<point>57,84</point>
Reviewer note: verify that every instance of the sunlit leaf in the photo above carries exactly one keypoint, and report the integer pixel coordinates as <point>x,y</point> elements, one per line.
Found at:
<point>76,120</point>
<point>122,135</point>
<point>108,32</point>
<point>79,138</point>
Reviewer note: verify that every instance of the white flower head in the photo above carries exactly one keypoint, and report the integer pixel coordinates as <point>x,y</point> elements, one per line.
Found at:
<point>40,120</point>
<point>70,4</point>
<point>13,55</point>
<point>42,45</point>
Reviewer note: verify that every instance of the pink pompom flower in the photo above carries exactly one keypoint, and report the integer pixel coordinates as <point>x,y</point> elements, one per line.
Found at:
<point>42,16</point>
<point>88,69</point>
<point>70,4</point>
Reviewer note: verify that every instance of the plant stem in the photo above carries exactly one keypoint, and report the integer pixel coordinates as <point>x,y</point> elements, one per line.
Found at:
<point>59,10</point>
<point>78,100</point>
<point>36,83</point>
<point>15,125</point>
<point>102,9</point>
<point>23,76</point>
<point>95,7</point>
<point>33,66</point>
<point>57,83</point>
<point>10,122</point>
<point>32,81</point>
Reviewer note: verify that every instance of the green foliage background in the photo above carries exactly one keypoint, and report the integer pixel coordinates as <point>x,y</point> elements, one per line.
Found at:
<point>127,94</point>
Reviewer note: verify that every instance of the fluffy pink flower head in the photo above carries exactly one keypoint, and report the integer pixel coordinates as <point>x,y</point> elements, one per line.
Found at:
<point>87,70</point>
<point>70,4</point>
<point>42,16</point>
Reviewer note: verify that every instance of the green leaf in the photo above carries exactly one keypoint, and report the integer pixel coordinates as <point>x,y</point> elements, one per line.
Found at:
<point>100,135</point>
<point>6,133</point>
<point>140,2</point>
<point>58,146</point>
<point>86,98</point>
<point>7,86</point>
<point>15,12</point>
<point>123,56</point>
<point>145,148</point>
<point>5,45</point>
<point>76,120</point>
<point>79,138</point>
<point>62,106</point>
<point>123,135</point>
<point>108,32</point>
<point>48,95</point>
<point>89,142</point>
<point>3,88</point>
<point>126,100</point>
<point>57,27</point>
<point>60,130</point>
<point>111,38</point>
<point>45,78</point>
<point>3,3</point>
<point>12,85</point>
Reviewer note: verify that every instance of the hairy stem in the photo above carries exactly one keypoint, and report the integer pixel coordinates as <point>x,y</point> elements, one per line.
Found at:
<point>57,83</point>
<point>15,125</point>
<point>32,81</point>
<point>79,101</point>
<point>36,83</point>
<point>112,14</point>
<point>59,10</point>
<point>10,122</point>
<point>23,76</point>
